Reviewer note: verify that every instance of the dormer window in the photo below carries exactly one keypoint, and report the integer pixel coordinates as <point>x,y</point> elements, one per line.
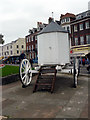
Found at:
<point>67,19</point>
<point>63,20</point>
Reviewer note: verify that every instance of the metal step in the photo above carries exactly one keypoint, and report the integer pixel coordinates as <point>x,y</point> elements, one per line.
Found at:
<point>45,79</point>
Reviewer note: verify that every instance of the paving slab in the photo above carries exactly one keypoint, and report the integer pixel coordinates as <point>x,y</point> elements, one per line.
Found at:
<point>65,102</point>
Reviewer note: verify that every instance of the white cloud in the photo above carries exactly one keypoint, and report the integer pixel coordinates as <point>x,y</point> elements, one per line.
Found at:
<point>18,16</point>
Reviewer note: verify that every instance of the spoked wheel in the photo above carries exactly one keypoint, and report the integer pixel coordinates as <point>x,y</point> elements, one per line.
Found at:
<point>25,72</point>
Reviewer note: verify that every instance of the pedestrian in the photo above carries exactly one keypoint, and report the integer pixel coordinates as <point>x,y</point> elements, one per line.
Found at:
<point>22,56</point>
<point>31,62</point>
<point>83,61</point>
<point>87,61</point>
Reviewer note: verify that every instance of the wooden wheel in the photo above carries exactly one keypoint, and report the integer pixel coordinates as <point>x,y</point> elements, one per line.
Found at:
<point>25,72</point>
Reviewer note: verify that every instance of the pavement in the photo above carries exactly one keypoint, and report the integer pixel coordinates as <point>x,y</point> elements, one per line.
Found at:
<point>65,102</point>
<point>83,70</point>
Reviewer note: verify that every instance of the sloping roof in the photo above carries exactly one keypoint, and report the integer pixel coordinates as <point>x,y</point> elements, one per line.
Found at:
<point>52,27</point>
<point>68,15</point>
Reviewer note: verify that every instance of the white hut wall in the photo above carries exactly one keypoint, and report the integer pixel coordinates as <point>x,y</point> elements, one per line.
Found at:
<point>63,48</point>
<point>48,48</point>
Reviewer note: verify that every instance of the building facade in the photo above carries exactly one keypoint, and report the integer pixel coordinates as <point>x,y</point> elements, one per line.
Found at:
<point>80,34</point>
<point>65,21</point>
<point>31,41</point>
<point>31,45</point>
<point>0,52</point>
<point>18,46</point>
<point>13,50</point>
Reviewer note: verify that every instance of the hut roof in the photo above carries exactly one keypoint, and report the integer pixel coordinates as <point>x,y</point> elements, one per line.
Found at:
<point>52,27</point>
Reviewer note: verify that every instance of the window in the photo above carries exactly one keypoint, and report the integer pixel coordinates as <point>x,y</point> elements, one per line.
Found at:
<point>63,20</point>
<point>81,26</point>
<point>11,52</point>
<point>27,39</point>
<point>68,28</point>
<point>7,47</point>
<point>32,38</point>
<point>36,46</point>
<point>17,51</point>
<point>17,46</point>
<point>67,19</point>
<point>75,28</point>
<point>27,47</point>
<point>76,41</point>
<point>88,39</point>
<point>11,46</point>
<point>35,37</point>
<point>32,47</point>
<point>30,55</point>
<point>82,40</point>
<point>86,25</point>
<point>22,46</point>
<point>7,53</point>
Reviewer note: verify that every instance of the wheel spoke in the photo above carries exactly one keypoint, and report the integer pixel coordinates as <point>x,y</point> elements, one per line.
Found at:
<point>24,77</point>
<point>25,74</point>
<point>25,80</point>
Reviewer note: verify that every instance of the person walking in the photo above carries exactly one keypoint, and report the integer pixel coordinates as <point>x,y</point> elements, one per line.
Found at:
<point>83,61</point>
<point>22,56</point>
<point>87,61</point>
<point>31,62</point>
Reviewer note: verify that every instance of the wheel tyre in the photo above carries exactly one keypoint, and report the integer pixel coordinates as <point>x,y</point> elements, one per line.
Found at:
<point>23,85</point>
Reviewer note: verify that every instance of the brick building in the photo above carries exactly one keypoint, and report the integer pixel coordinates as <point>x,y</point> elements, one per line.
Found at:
<point>31,41</point>
<point>65,21</point>
<point>80,34</point>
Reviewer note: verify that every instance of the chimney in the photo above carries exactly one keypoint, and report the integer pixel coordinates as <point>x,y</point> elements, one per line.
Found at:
<point>50,20</point>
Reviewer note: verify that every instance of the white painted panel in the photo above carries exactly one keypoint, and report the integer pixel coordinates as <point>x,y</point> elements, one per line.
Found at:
<point>53,48</point>
<point>63,45</point>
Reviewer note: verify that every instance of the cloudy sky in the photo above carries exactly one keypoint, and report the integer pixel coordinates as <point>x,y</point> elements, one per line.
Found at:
<point>18,16</point>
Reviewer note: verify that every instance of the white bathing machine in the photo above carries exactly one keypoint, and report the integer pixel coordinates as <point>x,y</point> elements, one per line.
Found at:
<point>53,50</point>
<point>53,45</point>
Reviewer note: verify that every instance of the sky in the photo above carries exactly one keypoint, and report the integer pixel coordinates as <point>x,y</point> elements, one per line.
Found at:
<point>18,16</point>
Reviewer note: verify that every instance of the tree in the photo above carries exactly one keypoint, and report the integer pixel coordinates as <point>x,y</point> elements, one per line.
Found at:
<point>1,39</point>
